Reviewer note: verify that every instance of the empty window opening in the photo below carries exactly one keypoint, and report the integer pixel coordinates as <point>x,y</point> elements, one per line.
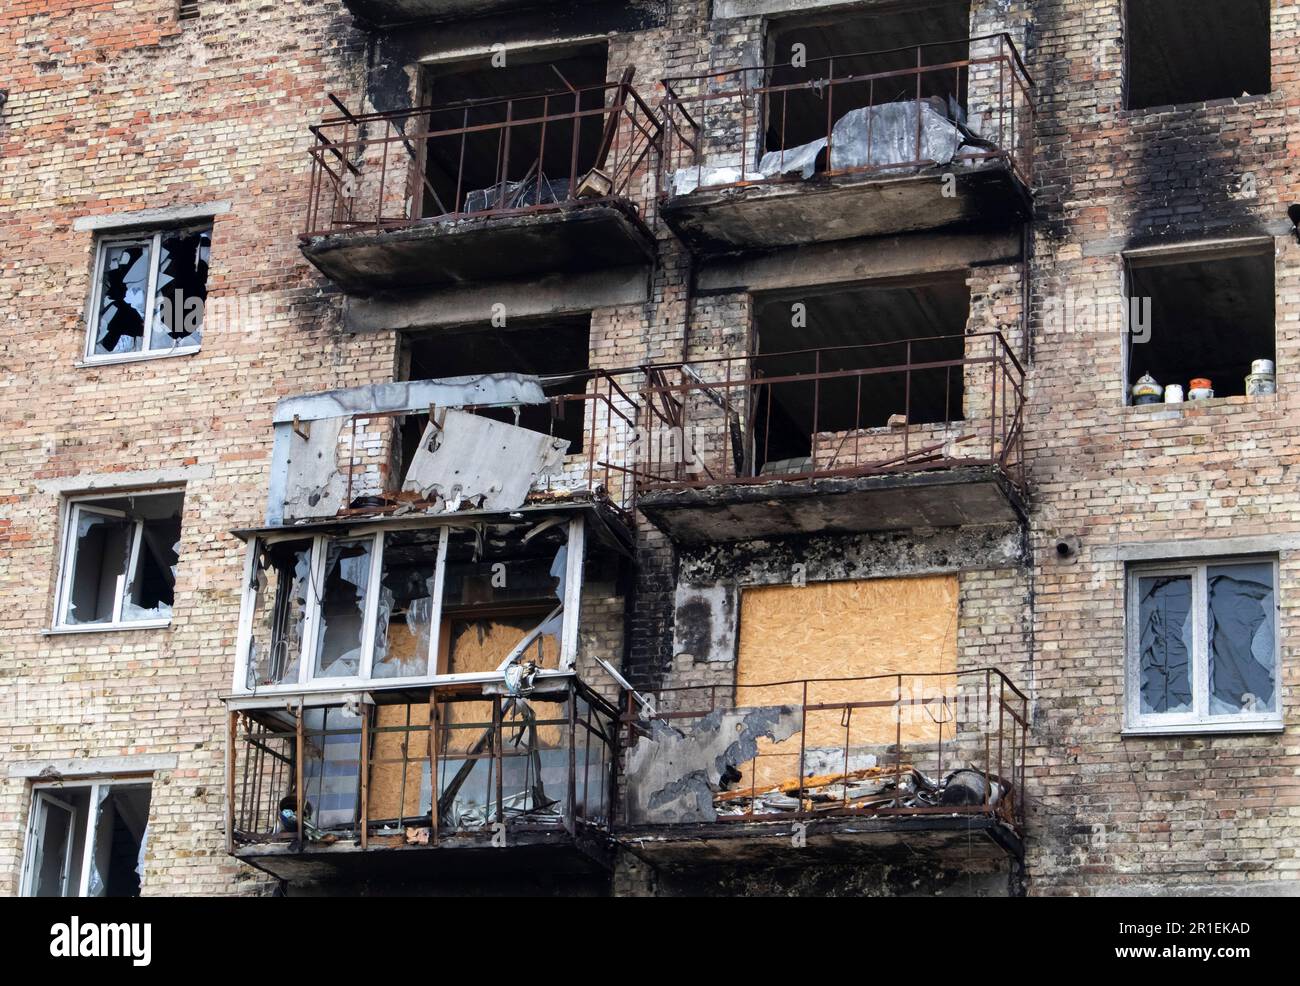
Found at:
<point>87,841</point>
<point>483,165</point>
<point>150,293</point>
<point>1202,644</point>
<point>187,10</point>
<point>882,41</point>
<point>119,560</point>
<point>1187,51</point>
<point>870,327</point>
<point>1200,316</point>
<point>557,349</point>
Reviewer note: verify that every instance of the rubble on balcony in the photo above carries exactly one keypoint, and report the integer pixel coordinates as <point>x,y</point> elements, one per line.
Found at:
<point>953,148</point>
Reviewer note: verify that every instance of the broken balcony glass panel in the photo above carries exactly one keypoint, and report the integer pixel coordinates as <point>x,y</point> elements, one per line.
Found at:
<point>123,291</point>
<point>281,575</point>
<point>181,290</point>
<point>1164,648</point>
<point>1242,646</point>
<point>405,604</point>
<point>100,558</point>
<point>342,609</point>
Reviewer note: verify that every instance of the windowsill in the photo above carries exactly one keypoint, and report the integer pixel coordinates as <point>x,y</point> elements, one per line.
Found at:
<point>91,361</point>
<point>1199,104</point>
<point>107,627</point>
<point>1181,407</point>
<point>1271,725</point>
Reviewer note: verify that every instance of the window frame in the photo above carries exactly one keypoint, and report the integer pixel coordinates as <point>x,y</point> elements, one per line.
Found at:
<point>364,679</point>
<point>44,792</point>
<point>67,561</point>
<point>1199,720</point>
<point>152,238</point>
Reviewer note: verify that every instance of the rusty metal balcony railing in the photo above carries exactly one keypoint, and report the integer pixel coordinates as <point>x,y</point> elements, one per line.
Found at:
<point>940,743</point>
<point>366,774</point>
<point>475,158</point>
<point>893,407</point>
<point>740,127</point>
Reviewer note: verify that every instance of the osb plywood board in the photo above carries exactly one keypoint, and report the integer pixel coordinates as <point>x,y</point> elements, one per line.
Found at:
<point>386,792</point>
<point>481,645</point>
<point>843,630</point>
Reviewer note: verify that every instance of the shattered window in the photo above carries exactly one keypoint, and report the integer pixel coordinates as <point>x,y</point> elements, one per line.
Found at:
<point>120,560</point>
<point>1166,633</point>
<point>343,592</point>
<point>281,575</point>
<point>1206,644</point>
<point>150,293</point>
<point>1243,651</point>
<point>87,840</point>
<point>405,610</point>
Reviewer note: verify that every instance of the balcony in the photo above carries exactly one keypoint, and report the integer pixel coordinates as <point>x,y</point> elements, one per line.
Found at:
<point>923,763</point>
<point>482,190</point>
<point>523,778</point>
<point>889,436</point>
<point>777,156</point>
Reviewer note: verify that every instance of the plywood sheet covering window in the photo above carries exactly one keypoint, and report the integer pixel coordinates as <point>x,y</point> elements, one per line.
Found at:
<point>481,645</point>
<point>844,630</point>
<point>399,773</point>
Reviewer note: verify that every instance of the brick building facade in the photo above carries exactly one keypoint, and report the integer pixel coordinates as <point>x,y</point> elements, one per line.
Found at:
<point>989,530</point>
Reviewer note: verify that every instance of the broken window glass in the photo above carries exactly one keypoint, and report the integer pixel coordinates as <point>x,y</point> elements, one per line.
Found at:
<point>123,297</point>
<point>1242,652</point>
<point>402,624</point>
<point>342,609</point>
<point>181,290</point>
<point>151,293</point>
<point>86,840</point>
<point>1165,629</point>
<point>281,575</point>
<point>121,564</point>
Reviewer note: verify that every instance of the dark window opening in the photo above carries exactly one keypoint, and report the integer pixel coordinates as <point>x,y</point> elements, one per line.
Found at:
<point>523,164</point>
<point>871,326</point>
<point>1210,317</point>
<point>187,10</point>
<point>1188,51</point>
<point>556,348</point>
<point>882,41</point>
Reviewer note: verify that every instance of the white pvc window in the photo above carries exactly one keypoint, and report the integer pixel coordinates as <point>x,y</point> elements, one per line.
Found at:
<point>149,294</point>
<point>86,840</point>
<point>118,563</point>
<point>1202,640</point>
<point>339,611</point>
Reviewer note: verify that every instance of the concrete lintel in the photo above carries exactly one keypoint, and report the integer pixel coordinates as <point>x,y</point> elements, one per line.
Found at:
<point>163,216</point>
<point>131,479</point>
<point>487,390</point>
<point>862,260</point>
<point>1152,241</point>
<point>723,9</point>
<point>554,294</point>
<point>1198,548</point>
<point>94,766</point>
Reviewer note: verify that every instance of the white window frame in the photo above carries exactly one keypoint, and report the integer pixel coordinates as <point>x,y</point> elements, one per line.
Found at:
<point>67,563</point>
<point>43,793</point>
<point>306,681</point>
<point>152,238</point>
<point>1199,719</point>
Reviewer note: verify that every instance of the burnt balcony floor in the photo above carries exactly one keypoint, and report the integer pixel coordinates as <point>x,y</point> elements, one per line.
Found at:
<point>967,495</point>
<point>869,840</point>
<point>756,217</point>
<point>585,854</point>
<point>576,236</point>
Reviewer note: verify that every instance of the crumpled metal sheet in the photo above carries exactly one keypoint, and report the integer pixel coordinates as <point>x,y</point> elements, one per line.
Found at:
<point>474,460</point>
<point>892,136</point>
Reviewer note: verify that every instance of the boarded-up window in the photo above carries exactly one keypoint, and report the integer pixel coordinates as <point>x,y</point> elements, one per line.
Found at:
<point>845,630</point>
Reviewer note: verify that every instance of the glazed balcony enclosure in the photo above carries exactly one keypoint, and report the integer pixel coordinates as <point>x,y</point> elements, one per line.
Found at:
<point>482,190</point>
<point>849,146</point>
